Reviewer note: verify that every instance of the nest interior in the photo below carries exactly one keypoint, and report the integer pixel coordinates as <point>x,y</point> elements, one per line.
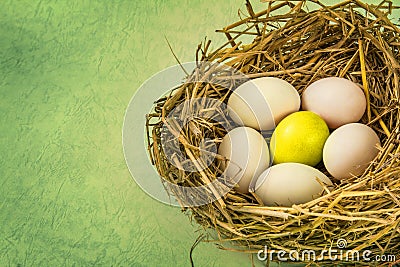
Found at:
<point>350,39</point>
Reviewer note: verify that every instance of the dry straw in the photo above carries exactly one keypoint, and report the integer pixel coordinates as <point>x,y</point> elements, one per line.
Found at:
<point>350,39</point>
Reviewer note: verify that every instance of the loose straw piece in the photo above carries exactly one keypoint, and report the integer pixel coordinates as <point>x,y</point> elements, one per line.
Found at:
<point>364,78</point>
<point>383,125</point>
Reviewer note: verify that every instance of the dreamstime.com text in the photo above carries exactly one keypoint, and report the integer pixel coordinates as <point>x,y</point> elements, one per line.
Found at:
<point>332,254</point>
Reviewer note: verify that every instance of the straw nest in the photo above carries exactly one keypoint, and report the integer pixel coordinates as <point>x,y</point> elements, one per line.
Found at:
<point>300,45</point>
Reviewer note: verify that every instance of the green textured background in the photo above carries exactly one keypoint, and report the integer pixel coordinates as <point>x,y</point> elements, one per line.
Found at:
<point>67,72</point>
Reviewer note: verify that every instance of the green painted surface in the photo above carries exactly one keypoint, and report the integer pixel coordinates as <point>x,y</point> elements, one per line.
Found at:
<point>67,72</point>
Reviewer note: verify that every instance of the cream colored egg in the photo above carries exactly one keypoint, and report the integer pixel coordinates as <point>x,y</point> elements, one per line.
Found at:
<point>349,150</point>
<point>263,102</point>
<point>286,184</point>
<point>337,100</point>
<point>247,153</point>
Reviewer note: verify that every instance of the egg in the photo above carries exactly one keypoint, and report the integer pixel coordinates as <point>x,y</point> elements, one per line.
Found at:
<point>247,156</point>
<point>286,184</point>
<point>300,137</point>
<point>349,150</point>
<point>263,102</point>
<point>337,100</point>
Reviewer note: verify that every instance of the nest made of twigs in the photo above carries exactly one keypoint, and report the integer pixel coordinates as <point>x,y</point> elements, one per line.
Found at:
<point>350,39</point>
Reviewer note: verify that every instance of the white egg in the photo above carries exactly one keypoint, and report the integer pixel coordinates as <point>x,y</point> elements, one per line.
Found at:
<point>247,153</point>
<point>286,184</point>
<point>350,149</point>
<point>263,102</point>
<point>337,100</point>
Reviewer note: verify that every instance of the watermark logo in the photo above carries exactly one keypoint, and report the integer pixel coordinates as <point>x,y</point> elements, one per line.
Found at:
<point>341,243</point>
<point>338,253</point>
<point>178,117</point>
